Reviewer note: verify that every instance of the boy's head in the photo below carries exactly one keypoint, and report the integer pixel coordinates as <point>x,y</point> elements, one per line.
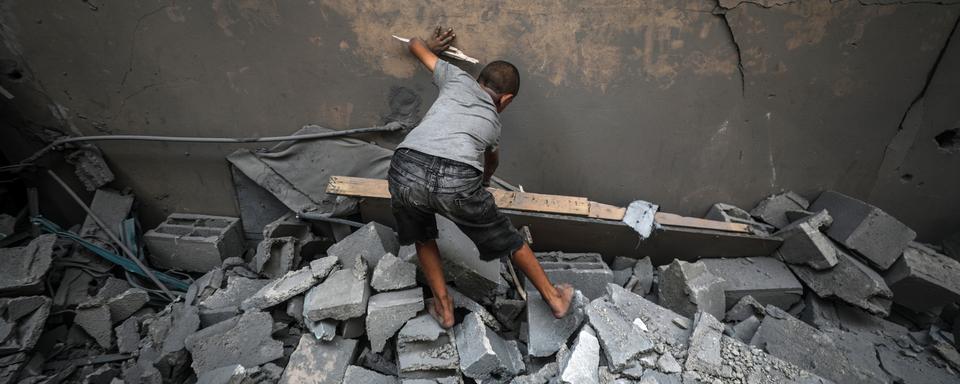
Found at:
<point>503,79</point>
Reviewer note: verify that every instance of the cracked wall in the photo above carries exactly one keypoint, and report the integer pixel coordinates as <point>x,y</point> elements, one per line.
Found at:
<point>684,103</point>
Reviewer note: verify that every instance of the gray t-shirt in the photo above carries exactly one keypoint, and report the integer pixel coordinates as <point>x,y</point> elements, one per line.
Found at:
<point>462,124</point>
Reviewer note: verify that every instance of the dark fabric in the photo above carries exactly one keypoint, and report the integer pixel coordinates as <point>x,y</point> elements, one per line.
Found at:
<point>422,185</point>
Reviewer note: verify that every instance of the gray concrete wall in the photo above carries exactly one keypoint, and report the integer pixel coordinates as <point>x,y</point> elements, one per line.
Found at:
<point>684,103</point>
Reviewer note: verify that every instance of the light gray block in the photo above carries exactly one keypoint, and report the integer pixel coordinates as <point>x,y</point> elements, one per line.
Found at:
<point>439,355</point>
<point>622,340</point>
<point>243,340</point>
<point>767,279</point>
<point>923,280</point>
<point>484,355</point>
<point>703,355</point>
<point>689,287</point>
<point>421,328</point>
<point>370,242</point>
<point>195,243</point>
<point>866,229</point>
<point>772,210</point>
<point>343,295</point>
<point>276,256</point>
<point>850,281</point>
<point>388,311</point>
<point>25,267</point>
<point>548,333</point>
<point>585,271</point>
<point>316,362</point>
<point>392,274</point>
<point>581,365</point>
<point>360,375</point>
<point>291,284</point>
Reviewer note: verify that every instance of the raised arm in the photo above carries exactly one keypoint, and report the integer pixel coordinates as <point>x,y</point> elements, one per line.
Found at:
<point>491,159</point>
<point>427,51</point>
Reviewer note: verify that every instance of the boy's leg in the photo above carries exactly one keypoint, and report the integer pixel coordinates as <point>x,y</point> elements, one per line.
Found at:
<point>558,297</point>
<point>429,256</point>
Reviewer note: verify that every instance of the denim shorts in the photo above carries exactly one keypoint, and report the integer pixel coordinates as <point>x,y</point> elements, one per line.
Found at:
<point>422,185</point>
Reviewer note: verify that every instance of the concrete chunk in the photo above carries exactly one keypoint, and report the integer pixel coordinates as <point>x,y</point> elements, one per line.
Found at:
<point>548,333</point>
<point>126,304</point>
<point>341,296</point>
<point>25,267</point>
<point>923,280</point>
<point>767,279</point>
<point>668,364</point>
<point>324,330</point>
<point>806,245</point>
<point>421,328</point>
<point>670,327</point>
<point>689,287</point>
<point>195,243</point>
<point>24,318</point>
<point>951,246</point>
<point>96,322</point>
<point>370,242</point>
<point>243,340</point>
<point>745,329</point>
<point>276,256</point>
<point>392,274</point>
<point>772,210</point>
<point>866,229</point>
<point>128,335</point>
<point>289,285</point>
<point>581,365</point>
<point>850,281</point>
<point>388,311</point>
<point>315,362</point>
<point>432,356</point>
<point>360,375</point>
<point>225,302</point>
<point>479,279</point>
<point>484,355</point>
<point>745,307</point>
<point>733,214</point>
<point>703,354</point>
<point>585,271</point>
<point>642,279</point>
<point>622,340</point>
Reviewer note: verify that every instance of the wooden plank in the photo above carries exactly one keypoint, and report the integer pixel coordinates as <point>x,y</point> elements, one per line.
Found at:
<point>521,201</point>
<point>675,220</point>
<point>606,211</point>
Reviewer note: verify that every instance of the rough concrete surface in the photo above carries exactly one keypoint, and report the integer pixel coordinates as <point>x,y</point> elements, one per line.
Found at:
<point>387,312</point>
<point>851,281</point>
<point>689,287</point>
<point>341,296</point>
<point>243,340</point>
<point>370,242</point>
<point>923,279</point>
<point>317,362</point>
<point>548,333</point>
<point>25,266</point>
<point>767,279</point>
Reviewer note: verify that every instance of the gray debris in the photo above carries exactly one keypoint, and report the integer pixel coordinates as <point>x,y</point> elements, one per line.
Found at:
<point>90,168</point>
<point>370,242</point>
<point>542,376</point>
<point>654,377</point>
<point>230,374</point>
<point>276,256</point>
<point>24,318</point>
<point>866,229</point>
<point>481,280</point>
<point>747,306</point>
<point>585,271</point>
<point>318,362</point>
<point>359,375</point>
<point>388,311</point>
<point>669,326</point>
<point>819,313</point>
<point>484,355</point>
<point>703,354</point>
<point>745,329</point>
<point>951,246</point>
<point>462,301</point>
<point>225,302</point>
<point>96,322</point>
<point>804,244</point>
<point>421,328</point>
<point>548,333</point>
<point>767,279</point>
<point>733,214</point>
<point>907,368</point>
<point>668,364</point>
<point>323,266</point>
<point>689,287</point>
<point>581,364</point>
<point>642,279</point>
<point>392,274</point>
<point>923,280</point>
<point>435,356</point>
<point>341,296</point>
<point>195,243</point>
<point>772,210</point>
<point>243,340</point>
<point>126,304</point>
<point>323,330</point>
<point>622,340</point>
<point>850,281</point>
<point>24,267</point>
<point>128,335</point>
<point>290,285</point>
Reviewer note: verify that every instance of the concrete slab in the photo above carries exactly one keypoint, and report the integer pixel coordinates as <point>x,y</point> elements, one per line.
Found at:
<point>767,279</point>
<point>484,355</point>
<point>689,287</point>
<point>585,271</point>
<point>289,285</point>
<point>703,355</point>
<point>866,229</point>
<point>581,365</point>
<point>25,267</point>
<point>126,304</point>
<point>434,356</point>
<point>316,362</point>
<point>744,308</point>
<point>392,274</point>
<point>388,311</point>
<point>547,333</point>
<point>421,328</point>
<point>96,322</point>
<point>670,327</point>
<point>923,280</point>
<point>343,295</point>
<point>244,340</point>
<point>360,375</point>
<point>225,302</point>
<point>370,242</point>
<point>24,317</point>
<point>772,209</point>
<point>850,281</point>
<point>805,244</point>
<point>621,339</point>
<point>480,280</point>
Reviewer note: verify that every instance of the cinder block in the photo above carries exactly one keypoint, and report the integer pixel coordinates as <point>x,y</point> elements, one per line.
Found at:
<point>585,271</point>
<point>767,279</point>
<point>276,256</point>
<point>850,281</point>
<point>772,210</point>
<point>484,355</point>
<point>689,287</point>
<point>195,243</point>
<point>866,229</point>
<point>923,280</point>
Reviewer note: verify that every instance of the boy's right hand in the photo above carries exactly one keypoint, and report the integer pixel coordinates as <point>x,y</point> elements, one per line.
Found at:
<point>440,40</point>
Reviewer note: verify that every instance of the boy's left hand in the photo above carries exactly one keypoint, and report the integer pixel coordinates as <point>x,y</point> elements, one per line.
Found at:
<point>440,40</point>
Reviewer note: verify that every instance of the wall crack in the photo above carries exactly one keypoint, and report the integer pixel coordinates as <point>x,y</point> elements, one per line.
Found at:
<point>721,12</point>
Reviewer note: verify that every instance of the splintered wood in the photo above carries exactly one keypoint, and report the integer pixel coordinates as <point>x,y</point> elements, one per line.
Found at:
<point>534,202</point>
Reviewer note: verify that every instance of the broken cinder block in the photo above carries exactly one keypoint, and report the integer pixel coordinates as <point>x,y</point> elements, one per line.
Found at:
<point>548,333</point>
<point>621,338</point>
<point>319,362</point>
<point>767,279</point>
<point>850,281</point>
<point>866,229</point>
<point>923,279</point>
<point>276,256</point>
<point>290,285</point>
<point>343,295</point>
<point>370,242</point>
<point>484,355</point>
<point>388,311</point>
<point>195,243</point>
<point>687,288</point>
<point>244,340</point>
<point>392,274</point>
<point>585,271</point>
<point>582,363</point>
<point>772,210</point>
<point>703,354</point>
<point>25,267</point>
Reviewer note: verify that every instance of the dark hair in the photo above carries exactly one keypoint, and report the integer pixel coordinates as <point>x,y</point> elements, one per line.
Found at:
<point>501,77</point>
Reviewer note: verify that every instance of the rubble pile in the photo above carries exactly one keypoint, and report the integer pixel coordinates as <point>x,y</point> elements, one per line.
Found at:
<point>848,298</point>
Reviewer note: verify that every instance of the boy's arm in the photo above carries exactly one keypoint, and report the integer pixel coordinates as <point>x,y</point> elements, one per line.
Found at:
<point>491,159</point>
<point>427,51</point>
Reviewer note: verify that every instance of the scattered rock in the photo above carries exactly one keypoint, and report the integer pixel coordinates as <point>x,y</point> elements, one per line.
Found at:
<point>392,274</point>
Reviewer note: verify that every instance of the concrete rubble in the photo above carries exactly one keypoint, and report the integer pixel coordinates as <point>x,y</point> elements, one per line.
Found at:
<point>825,307</point>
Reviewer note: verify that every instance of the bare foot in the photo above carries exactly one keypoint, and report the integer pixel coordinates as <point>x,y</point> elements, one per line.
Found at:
<point>561,305</point>
<point>442,311</point>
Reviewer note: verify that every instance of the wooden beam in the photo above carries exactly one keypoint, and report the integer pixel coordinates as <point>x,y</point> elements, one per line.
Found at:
<point>536,202</point>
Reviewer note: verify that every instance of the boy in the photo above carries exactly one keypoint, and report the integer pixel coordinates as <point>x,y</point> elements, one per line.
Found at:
<point>438,169</point>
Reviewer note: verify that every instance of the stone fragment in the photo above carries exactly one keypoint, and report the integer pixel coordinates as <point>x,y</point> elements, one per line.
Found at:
<point>111,207</point>
<point>25,267</point>
<point>341,296</point>
<point>767,279</point>
<point>621,339</point>
<point>548,333</point>
<point>323,330</point>
<point>703,354</point>
<point>508,311</point>
<point>359,375</point>
<point>392,274</point>
<point>421,328</point>
<point>866,229</point>
<point>668,364</point>
<point>230,374</point>
<point>170,329</point>
<point>23,319</point>
<point>804,244</point>
<point>581,365</point>
<point>850,281</point>
<point>484,355</point>
<point>462,265</point>
<point>653,377</point>
<point>745,307</point>
<point>370,242</point>
<point>434,356</point>
<point>585,271</point>
<point>96,322</point>
<point>379,362</point>
<point>745,329</point>
<point>126,304</point>
<point>286,287</point>
<point>89,166</point>
<point>542,376</point>
<point>642,279</point>
<point>73,288</point>
<point>733,214</point>
<point>317,362</point>
<point>689,287</point>
<point>670,327</point>
<point>388,311</point>
<point>276,256</point>
<point>772,210</point>
<point>195,243</point>
<point>819,313</point>
<point>323,266</point>
<point>462,301</point>
<point>205,286</point>
<point>243,340</point>
<point>128,335</point>
<point>923,280</point>
<point>904,368</point>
